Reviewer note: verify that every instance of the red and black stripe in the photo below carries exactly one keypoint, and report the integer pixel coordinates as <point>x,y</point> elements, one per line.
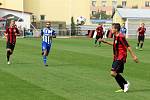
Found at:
<point>11,34</point>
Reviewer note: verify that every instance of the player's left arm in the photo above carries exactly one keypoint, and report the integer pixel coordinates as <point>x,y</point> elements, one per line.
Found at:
<point>54,34</point>
<point>125,30</point>
<point>126,45</point>
<point>145,30</point>
<point>134,57</point>
<point>17,32</point>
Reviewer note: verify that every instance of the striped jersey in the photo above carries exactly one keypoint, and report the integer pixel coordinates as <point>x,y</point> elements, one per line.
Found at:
<point>47,35</point>
<point>11,34</point>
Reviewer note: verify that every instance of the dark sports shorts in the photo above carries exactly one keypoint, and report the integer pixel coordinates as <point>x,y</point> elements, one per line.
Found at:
<point>141,38</point>
<point>118,66</point>
<point>98,37</point>
<point>10,46</point>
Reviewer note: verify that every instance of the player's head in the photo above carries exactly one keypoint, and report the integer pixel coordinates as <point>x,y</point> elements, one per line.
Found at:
<point>12,22</point>
<point>100,24</point>
<point>123,25</point>
<point>48,24</point>
<point>116,28</point>
<point>142,25</point>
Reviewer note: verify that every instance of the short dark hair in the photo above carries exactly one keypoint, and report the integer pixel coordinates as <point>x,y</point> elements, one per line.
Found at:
<point>143,23</point>
<point>117,26</point>
<point>48,22</point>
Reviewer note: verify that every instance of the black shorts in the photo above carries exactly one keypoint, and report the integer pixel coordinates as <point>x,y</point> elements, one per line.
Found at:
<point>141,38</point>
<point>10,46</point>
<point>118,66</point>
<point>98,37</point>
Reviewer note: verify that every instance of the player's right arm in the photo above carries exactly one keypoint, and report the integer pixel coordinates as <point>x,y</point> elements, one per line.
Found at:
<point>42,32</point>
<point>6,33</point>
<point>106,42</point>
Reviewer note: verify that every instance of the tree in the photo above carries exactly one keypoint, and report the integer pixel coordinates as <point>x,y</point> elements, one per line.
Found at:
<point>73,26</point>
<point>119,6</point>
<point>101,15</point>
<point>135,7</point>
<point>105,16</point>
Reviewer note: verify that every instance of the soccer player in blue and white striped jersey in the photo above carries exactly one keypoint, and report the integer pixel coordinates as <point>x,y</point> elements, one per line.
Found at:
<point>47,34</point>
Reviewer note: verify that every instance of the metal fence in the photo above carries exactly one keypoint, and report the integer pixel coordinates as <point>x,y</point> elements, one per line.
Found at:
<point>133,25</point>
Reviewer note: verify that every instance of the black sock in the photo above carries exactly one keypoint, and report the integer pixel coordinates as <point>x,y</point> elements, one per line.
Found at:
<point>141,45</point>
<point>138,44</point>
<point>95,41</point>
<point>8,55</point>
<point>120,83</point>
<point>99,43</point>
<point>122,79</point>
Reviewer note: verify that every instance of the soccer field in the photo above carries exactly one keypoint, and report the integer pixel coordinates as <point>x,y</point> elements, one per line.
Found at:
<point>77,71</point>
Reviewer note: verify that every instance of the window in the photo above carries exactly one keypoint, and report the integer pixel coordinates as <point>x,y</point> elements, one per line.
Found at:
<point>124,3</point>
<point>93,13</point>
<point>147,3</point>
<point>93,3</point>
<point>104,3</point>
<point>42,17</point>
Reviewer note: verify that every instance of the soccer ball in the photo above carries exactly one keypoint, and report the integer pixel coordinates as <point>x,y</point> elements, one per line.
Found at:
<point>81,20</point>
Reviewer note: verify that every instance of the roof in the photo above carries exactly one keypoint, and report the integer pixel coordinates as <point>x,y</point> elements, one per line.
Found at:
<point>133,13</point>
<point>15,10</point>
<point>11,16</point>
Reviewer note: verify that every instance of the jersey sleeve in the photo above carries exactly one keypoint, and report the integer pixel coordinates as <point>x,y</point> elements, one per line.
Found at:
<point>7,29</point>
<point>97,28</point>
<point>145,29</point>
<point>139,29</point>
<point>125,30</point>
<point>124,42</point>
<point>53,33</point>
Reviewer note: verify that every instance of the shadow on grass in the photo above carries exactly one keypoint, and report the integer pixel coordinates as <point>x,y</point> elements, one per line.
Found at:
<point>139,90</point>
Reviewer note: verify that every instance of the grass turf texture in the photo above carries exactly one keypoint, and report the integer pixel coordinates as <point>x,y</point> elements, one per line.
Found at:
<point>77,71</point>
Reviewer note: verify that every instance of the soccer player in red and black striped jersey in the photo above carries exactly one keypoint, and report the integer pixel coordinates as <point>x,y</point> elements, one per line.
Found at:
<point>99,35</point>
<point>11,33</point>
<point>141,35</point>
<point>120,47</point>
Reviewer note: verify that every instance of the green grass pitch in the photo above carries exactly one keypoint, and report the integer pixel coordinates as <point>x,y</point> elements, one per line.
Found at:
<point>77,71</point>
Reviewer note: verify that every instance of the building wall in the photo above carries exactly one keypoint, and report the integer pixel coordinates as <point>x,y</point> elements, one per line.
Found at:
<point>58,10</point>
<point>80,8</point>
<point>109,5</point>
<point>12,4</point>
<point>117,18</point>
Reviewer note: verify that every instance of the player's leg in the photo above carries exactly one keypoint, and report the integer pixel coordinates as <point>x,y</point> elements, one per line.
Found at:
<point>117,78</point>
<point>141,43</point>
<point>96,40</point>
<point>100,41</point>
<point>9,49</point>
<point>9,52</point>
<point>48,49</point>
<point>45,57</point>
<point>44,53</point>
<point>138,43</point>
<point>117,68</point>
